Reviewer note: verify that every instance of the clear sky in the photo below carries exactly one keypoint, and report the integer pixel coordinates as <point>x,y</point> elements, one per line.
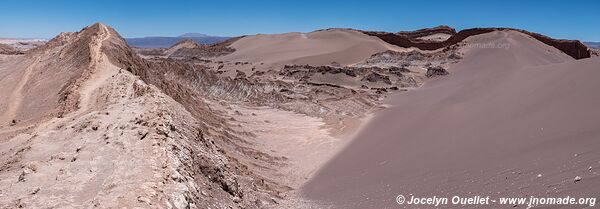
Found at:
<point>135,18</point>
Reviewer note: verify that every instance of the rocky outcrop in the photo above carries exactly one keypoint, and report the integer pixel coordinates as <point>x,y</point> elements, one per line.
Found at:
<point>412,58</point>
<point>572,48</point>
<point>436,71</point>
<point>6,49</point>
<point>165,116</point>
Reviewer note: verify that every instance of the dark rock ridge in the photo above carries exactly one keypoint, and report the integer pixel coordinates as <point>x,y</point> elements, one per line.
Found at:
<point>572,48</point>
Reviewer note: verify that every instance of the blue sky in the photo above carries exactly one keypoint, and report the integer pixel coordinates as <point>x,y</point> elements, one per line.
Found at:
<point>136,18</point>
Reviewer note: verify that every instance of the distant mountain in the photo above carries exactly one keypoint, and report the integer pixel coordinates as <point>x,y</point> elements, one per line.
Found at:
<point>164,42</point>
<point>595,45</point>
<point>193,35</point>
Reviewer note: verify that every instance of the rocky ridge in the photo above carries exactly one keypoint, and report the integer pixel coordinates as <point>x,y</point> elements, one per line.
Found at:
<point>133,142</point>
<point>573,48</point>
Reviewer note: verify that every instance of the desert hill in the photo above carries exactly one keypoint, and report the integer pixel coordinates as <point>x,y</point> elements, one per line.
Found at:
<point>506,122</point>
<point>79,129</point>
<point>334,46</point>
<point>187,43</point>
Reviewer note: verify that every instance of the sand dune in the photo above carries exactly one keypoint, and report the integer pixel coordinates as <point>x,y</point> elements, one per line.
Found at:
<point>507,122</point>
<point>316,48</point>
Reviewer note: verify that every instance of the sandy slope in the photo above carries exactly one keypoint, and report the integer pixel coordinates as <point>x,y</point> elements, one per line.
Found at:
<point>316,48</point>
<point>14,100</point>
<point>503,117</point>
